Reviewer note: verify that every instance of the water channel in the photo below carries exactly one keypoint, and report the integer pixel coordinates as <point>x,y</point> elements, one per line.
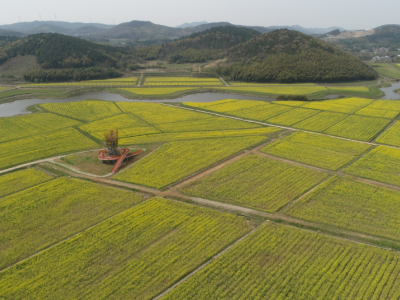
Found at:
<point>20,106</point>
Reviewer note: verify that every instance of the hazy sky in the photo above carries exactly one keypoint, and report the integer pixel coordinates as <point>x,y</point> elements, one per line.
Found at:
<point>349,14</point>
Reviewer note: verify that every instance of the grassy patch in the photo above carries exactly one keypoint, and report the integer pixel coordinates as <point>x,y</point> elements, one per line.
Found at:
<point>387,70</point>
<point>316,150</point>
<point>156,91</point>
<point>135,255</point>
<point>255,182</point>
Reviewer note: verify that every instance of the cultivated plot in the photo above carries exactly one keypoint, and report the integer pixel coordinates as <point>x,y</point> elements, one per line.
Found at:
<point>43,145</point>
<point>135,255</point>
<point>293,116</point>
<point>316,150</point>
<point>352,205</point>
<point>33,124</point>
<point>381,164</point>
<point>321,121</point>
<point>181,79</point>
<point>84,110</point>
<point>358,127</point>
<point>282,262</point>
<point>17,92</point>
<point>195,135</point>
<point>20,180</point>
<point>255,182</point>
<point>156,91</point>
<point>40,216</point>
<point>380,113</point>
<point>276,89</point>
<point>176,160</point>
<point>391,136</point>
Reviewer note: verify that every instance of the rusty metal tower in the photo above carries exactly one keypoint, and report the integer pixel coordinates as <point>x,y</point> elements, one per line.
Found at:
<point>111,140</point>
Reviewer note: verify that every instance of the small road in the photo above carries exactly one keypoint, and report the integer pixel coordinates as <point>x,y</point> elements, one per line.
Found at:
<point>223,81</point>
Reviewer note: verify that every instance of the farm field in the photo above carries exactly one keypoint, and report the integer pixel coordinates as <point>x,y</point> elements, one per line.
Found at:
<point>99,82</point>
<point>347,107</point>
<point>128,125</point>
<point>3,88</point>
<point>43,145</point>
<point>385,104</point>
<point>316,150</point>
<point>293,116</point>
<point>33,219</point>
<point>134,255</point>
<point>387,70</point>
<point>255,182</point>
<point>391,136</point>
<point>195,135</point>
<point>84,110</point>
<point>321,121</point>
<point>353,205</point>
<point>267,84</point>
<point>273,89</point>
<point>183,83</point>
<point>34,124</point>
<point>20,180</point>
<point>358,127</point>
<point>381,164</point>
<point>372,112</point>
<point>282,262</point>
<point>176,160</point>
<point>181,79</point>
<point>156,91</point>
<point>16,92</point>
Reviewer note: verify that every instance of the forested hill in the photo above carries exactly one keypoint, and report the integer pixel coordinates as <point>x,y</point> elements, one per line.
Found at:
<point>290,56</point>
<point>54,50</point>
<point>208,44</point>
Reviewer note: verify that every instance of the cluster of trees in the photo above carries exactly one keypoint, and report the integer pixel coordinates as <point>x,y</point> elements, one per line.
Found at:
<point>292,97</point>
<point>54,50</point>
<point>78,74</point>
<point>312,65</point>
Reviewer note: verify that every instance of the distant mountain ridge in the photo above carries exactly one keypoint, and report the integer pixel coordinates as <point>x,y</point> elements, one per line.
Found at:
<point>193,24</point>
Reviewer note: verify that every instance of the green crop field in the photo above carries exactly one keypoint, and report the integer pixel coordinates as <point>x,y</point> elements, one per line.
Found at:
<point>255,182</point>
<point>358,127</point>
<point>293,116</point>
<point>391,136</point>
<point>181,79</point>
<point>176,160</point>
<point>195,135</point>
<point>290,103</point>
<point>3,88</point>
<point>156,91</point>
<point>321,121</point>
<point>267,84</point>
<point>20,180</point>
<point>17,92</point>
<point>352,205</point>
<point>381,164</point>
<point>276,89</point>
<point>40,216</point>
<point>387,70</point>
<point>33,124</point>
<point>316,150</point>
<point>128,125</point>
<point>282,262</point>
<point>134,255</point>
<point>84,110</point>
<point>98,82</point>
<point>226,106</point>
<point>43,145</point>
<point>183,83</point>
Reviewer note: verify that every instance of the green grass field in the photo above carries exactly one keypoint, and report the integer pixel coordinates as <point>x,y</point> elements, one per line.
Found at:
<point>20,180</point>
<point>316,150</point>
<point>255,182</point>
<point>176,160</point>
<point>37,92</point>
<point>352,205</point>
<point>381,164</point>
<point>282,262</point>
<point>38,217</point>
<point>156,91</point>
<point>134,255</point>
<point>387,70</point>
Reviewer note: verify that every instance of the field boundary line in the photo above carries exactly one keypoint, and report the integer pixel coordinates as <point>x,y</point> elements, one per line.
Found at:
<point>206,263</point>
<point>68,238</point>
<point>223,81</point>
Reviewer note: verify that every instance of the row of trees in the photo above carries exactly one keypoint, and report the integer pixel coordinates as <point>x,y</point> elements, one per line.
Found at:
<point>71,74</point>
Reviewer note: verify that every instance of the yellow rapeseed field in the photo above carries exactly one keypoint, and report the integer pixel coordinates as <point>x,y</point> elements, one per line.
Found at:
<point>180,79</point>
<point>176,160</point>
<point>156,91</point>
<point>287,90</point>
<point>282,262</point>
<point>135,255</point>
<point>391,136</point>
